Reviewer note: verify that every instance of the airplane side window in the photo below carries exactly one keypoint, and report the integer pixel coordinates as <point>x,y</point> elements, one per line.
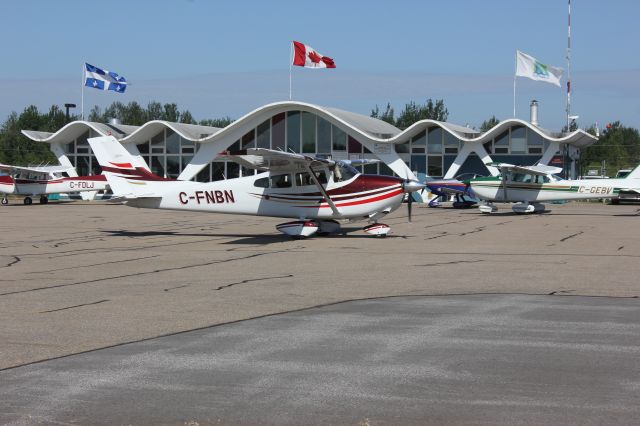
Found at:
<point>527,179</point>
<point>262,182</point>
<point>545,179</point>
<point>518,177</point>
<point>281,181</point>
<point>321,176</point>
<point>303,179</point>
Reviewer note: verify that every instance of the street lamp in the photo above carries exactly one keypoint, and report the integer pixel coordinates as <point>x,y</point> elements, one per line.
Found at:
<point>67,106</point>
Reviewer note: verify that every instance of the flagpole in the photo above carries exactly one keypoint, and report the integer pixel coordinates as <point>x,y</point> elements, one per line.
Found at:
<point>290,67</point>
<point>515,71</point>
<point>82,93</point>
<point>569,70</point>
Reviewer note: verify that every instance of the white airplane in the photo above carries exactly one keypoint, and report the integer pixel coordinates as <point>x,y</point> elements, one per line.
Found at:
<point>528,186</point>
<point>317,192</point>
<point>44,180</point>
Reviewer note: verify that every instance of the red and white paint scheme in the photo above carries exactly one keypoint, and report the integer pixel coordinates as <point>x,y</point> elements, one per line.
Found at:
<point>318,193</point>
<point>44,180</point>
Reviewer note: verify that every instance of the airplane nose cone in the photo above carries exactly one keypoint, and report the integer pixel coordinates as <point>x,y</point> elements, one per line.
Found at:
<point>412,186</point>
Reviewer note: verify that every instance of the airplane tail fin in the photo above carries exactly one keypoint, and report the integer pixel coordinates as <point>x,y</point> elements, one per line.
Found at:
<point>635,173</point>
<point>125,179</point>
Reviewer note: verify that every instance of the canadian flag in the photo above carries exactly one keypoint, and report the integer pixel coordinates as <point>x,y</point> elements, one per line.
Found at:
<point>306,56</point>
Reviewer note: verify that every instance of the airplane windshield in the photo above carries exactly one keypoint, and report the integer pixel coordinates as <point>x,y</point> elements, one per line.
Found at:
<point>343,171</point>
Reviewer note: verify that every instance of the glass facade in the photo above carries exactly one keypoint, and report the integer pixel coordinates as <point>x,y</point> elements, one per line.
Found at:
<point>431,151</point>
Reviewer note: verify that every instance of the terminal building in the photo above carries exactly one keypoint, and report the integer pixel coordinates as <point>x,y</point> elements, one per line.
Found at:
<point>434,148</point>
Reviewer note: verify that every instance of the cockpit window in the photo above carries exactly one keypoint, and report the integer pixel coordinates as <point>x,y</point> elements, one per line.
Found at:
<point>281,181</point>
<point>343,172</point>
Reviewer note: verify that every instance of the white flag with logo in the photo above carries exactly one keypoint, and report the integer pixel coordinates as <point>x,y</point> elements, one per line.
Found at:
<point>528,66</point>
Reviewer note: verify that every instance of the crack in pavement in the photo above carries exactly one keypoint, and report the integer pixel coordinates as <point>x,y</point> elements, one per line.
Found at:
<point>75,306</point>
<point>571,236</point>
<point>173,288</point>
<point>252,280</point>
<point>16,259</point>
<point>455,262</point>
<point>197,265</point>
<point>95,264</point>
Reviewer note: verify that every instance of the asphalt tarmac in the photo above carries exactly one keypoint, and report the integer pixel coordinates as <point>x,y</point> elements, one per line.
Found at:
<point>79,277</point>
<point>491,359</point>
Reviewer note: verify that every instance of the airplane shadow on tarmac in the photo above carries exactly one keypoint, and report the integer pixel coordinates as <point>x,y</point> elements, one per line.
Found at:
<point>242,238</point>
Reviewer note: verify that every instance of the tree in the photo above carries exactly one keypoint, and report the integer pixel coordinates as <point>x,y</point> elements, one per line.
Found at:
<point>388,115</point>
<point>489,124</point>
<point>171,113</point>
<point>413,113</point>
<point>216,122</point>
<point>618,146</point>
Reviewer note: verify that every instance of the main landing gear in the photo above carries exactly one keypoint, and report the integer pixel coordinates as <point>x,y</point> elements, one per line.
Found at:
<point>5,200</point>
<point>44,199</point>
<point>27,201</point>
<point>307,228</point>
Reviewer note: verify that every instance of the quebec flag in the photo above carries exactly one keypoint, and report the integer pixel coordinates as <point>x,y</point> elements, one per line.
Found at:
<point>103,80</point>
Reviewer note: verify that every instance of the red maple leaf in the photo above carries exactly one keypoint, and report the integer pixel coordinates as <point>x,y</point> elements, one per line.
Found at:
<point>315,58</point>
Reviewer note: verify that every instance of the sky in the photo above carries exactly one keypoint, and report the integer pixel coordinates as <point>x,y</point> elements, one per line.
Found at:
<point>226,58</point>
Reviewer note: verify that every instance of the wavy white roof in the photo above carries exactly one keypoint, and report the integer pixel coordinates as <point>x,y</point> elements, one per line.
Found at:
<point>372,129</point>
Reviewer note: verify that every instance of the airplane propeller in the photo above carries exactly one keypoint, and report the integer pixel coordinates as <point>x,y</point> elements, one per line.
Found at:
<point>410,186</point>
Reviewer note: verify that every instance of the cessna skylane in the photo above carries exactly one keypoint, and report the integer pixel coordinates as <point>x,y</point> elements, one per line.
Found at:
<point>319,193</point>
<point>44,180</point>
<point>528,186</point>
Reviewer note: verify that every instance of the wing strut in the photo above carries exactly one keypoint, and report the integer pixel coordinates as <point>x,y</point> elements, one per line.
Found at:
<point>323,192</point>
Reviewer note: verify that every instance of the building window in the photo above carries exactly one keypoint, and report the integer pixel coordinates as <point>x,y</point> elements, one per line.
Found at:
<point>451,143</point>
<point>293,131</point>
<point>157,165</point>
<point>355,147</point>
<point>339,139</point>
<point>308,133</point>
<point>173,142</point>
<point>434,143</point>
<point>157,144</point>
<point>324,136</point>
<point>519,140</point>
<point>143,148</point>
<point>218,170</point>
<point>501,143</point>
<point>204,175</point>
<point>173,166</point>
<point>249,139</point>
<point>402,148</point>
<point>419,143</point>
<point>419,163</point>
<point>278,131</point>
<point>434,166</point>
<point>264,134</point>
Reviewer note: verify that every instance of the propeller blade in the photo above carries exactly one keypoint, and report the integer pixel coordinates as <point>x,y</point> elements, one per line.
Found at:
<point>409,204</point>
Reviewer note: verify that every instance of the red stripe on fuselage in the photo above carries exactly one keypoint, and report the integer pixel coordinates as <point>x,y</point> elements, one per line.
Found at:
<point>139,173</point>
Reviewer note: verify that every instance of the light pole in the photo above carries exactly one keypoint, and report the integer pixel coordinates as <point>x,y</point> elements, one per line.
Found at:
<point>67,107</point>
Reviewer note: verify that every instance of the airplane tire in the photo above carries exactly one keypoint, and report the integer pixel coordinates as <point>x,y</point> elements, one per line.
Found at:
<point>5,201</point>
<point>27,200</point>
<point>44,199</point>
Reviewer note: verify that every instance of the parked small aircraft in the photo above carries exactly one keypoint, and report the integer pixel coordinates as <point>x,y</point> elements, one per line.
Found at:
<point>43,180</point>
<point>317,192</point>
<point>464,197</point>
<point>528,186</point>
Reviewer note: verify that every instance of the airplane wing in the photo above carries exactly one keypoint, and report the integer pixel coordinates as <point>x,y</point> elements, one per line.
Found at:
<point>35,169</point>
<point>280,161</point>
<point>272,160</point>
<point>538,169</point>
